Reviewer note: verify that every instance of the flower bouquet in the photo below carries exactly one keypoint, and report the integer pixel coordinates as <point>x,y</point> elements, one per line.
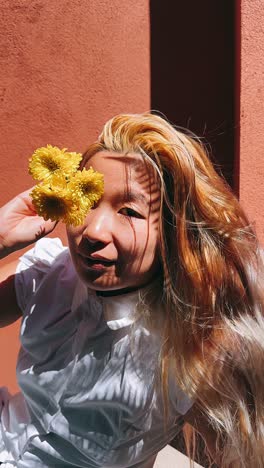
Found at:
<point>64,192</point>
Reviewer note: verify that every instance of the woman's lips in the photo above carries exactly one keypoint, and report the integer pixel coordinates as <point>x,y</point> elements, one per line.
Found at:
<point>96,263</point>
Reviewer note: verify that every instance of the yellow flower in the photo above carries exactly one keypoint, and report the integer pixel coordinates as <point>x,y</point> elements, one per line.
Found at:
<point>53,200</point>
<point>87,186</point>
<point>65,193</point>
<point>49,160</point>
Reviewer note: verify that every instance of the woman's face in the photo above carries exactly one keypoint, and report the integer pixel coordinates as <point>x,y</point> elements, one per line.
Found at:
<point>117,246</point>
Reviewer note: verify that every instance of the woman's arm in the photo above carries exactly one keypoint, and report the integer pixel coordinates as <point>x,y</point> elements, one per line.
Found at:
<point>10,311</point>
<point>20,226</point>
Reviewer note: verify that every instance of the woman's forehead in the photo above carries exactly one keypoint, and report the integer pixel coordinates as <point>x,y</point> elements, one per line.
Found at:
<point>129,173</point>
<point>132,165</point>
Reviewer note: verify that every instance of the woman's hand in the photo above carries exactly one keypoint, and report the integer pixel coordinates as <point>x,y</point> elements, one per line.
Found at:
<point>20,225</point>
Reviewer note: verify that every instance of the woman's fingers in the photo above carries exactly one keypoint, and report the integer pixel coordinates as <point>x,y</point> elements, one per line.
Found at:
<point>20,225</point>
<point>46,227</point>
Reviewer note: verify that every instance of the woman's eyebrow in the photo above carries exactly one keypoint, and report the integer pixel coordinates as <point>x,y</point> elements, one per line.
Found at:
<point>135,197</point>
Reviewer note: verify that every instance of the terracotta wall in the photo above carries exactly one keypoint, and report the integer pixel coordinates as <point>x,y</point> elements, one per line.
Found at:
<point>251,112</point>
<point>66,67</point>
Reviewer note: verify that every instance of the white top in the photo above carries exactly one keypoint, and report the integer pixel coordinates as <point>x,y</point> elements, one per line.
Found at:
<point>87,372</point>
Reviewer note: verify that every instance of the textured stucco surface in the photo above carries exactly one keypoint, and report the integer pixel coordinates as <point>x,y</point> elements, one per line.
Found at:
<point>252,112</point>
<point>66,67</point>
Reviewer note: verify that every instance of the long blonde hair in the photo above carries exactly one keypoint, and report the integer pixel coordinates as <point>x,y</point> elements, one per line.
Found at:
<point>211,261</point>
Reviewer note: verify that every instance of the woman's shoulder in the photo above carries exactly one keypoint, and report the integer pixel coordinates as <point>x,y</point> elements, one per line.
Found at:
<point>45,285</point>
<point>43,255</point>
<point>46,265</point>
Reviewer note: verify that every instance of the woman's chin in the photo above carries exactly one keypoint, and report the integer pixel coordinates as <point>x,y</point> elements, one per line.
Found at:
<point>99,280</point>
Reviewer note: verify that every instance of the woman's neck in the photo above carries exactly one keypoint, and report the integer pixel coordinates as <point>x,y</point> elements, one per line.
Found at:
<point>120,292</point>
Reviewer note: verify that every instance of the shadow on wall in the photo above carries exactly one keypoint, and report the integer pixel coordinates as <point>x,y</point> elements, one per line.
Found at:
<point>193,71</point>
<point>193,84</point>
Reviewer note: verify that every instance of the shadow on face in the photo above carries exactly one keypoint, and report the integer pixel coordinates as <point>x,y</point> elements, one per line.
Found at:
<point>119,238</point>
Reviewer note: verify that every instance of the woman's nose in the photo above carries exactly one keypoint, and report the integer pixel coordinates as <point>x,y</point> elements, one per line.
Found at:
<point>98,227</point>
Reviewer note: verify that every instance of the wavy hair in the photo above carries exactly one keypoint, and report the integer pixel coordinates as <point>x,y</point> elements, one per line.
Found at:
<point>214,325</point>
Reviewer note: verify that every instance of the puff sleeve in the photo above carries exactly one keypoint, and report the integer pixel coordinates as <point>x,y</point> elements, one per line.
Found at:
<point>33,266</point>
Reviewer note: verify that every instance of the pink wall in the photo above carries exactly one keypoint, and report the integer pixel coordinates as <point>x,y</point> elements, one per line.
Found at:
<point>66,68</point>
<point>251,112</point>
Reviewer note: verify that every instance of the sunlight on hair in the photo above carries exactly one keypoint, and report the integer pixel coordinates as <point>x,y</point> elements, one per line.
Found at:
<point>211,293</point>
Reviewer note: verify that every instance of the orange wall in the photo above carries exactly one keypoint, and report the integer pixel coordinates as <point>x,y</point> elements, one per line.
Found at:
<point>251,161</point>
<point>68,67</point>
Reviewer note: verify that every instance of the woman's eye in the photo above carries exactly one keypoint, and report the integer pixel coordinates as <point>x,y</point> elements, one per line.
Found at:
<point>130,212</point>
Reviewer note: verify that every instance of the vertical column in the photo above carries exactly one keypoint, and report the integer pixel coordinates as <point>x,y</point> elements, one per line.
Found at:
<point>251,161</point>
